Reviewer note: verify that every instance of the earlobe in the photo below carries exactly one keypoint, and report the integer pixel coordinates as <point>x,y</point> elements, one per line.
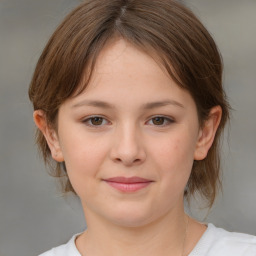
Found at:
<point>207,133</point>
<point>49,134</point>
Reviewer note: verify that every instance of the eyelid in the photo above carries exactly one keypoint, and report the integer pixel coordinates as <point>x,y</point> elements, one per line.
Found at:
<point>88,118</point>
<point>169,119</point>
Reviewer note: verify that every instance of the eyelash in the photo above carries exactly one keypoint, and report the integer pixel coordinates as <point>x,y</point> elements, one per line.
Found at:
<point>87,120</point>
<point>167,121</point>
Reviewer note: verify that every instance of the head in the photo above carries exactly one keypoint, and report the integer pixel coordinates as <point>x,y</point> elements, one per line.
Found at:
<point>166,31</point>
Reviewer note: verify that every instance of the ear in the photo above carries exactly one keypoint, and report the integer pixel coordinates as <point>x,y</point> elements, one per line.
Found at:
<point>50,135</point>
<point>207,133</point>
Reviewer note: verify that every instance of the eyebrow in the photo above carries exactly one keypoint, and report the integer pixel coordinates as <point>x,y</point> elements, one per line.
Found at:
<point>146,106</point>
<point>93,103</point>
<point>163,103</point>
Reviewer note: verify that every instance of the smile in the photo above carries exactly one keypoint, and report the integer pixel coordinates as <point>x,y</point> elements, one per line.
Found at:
<point>124,184</point>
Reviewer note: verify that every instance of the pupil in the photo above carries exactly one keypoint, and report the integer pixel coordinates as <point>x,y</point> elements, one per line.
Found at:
<point>158,120</point>
<point>97,120</point>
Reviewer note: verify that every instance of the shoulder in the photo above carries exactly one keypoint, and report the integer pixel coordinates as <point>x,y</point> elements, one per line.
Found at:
<point>68,249</point>
<point>217,241</point>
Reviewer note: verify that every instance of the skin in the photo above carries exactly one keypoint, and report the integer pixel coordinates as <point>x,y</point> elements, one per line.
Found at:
<point>129,140</point>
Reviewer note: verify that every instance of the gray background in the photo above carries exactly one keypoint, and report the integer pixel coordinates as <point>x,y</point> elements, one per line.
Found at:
<point>33,215</point>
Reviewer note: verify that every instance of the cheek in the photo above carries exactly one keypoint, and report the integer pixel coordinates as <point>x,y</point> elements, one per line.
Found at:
<point>174,160</point>
<point>83,154</point>
<point>177,152</point>
<point>83,159</point>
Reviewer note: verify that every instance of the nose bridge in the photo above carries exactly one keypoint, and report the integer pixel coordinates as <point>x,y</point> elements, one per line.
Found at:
<point>128,147</point>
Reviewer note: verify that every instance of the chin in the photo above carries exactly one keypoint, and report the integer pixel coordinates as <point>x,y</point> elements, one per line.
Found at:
<point>131,223</point>
<point>132,218</point>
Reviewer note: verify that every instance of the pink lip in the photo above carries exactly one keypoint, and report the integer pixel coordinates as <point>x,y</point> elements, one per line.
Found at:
<point>131,184</point>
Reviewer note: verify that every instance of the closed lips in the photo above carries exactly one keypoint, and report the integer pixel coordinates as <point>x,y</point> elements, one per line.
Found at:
<point>130,180</point>
<point>128,185</point>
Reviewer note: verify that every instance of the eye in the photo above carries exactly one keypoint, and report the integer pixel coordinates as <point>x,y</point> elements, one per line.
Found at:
<point>95,121</point>
<point>161,121</point>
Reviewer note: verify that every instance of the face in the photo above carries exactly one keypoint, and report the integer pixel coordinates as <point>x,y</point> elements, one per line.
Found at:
<point>129,140</point>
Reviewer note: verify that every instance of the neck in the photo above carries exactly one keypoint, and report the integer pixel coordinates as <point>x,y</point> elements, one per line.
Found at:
<point>105,238</point>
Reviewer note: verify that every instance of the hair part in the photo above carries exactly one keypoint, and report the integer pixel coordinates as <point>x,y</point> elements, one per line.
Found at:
<point>164,29</point>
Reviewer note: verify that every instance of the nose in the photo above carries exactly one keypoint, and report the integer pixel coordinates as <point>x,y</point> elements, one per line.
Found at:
<point>128,147</point>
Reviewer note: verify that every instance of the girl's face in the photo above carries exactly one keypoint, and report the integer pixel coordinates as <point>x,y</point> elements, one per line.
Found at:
<point>129,140</point>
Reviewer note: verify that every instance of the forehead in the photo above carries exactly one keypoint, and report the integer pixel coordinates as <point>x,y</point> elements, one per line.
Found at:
<point>122,63</point>
<point>127,77</point>
<point>122,57</point>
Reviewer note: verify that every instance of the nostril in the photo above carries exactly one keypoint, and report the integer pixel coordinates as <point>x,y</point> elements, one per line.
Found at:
<point>127,161</point>
<point>128,151</point>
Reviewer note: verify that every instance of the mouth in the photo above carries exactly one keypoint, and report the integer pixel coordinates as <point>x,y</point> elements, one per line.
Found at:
<point>131,184</point>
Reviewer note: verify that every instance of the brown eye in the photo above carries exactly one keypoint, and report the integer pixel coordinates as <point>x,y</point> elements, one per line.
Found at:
<point>96,120</point>
<point>161,121</point>
<point>158,120</point>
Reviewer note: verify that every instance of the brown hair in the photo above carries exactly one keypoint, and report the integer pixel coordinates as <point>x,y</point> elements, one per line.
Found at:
<point>163,28</point>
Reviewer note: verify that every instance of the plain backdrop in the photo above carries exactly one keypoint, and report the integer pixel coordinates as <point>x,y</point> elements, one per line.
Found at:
<point>33,215</point>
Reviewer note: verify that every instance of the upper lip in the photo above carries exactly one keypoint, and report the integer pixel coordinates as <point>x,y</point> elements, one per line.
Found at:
<point>129,180</point>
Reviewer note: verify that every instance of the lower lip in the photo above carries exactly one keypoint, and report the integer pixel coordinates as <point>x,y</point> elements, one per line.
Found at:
<point>128,187</point>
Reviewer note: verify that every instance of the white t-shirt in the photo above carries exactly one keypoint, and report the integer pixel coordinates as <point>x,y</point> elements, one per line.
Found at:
<point>214,242</point>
